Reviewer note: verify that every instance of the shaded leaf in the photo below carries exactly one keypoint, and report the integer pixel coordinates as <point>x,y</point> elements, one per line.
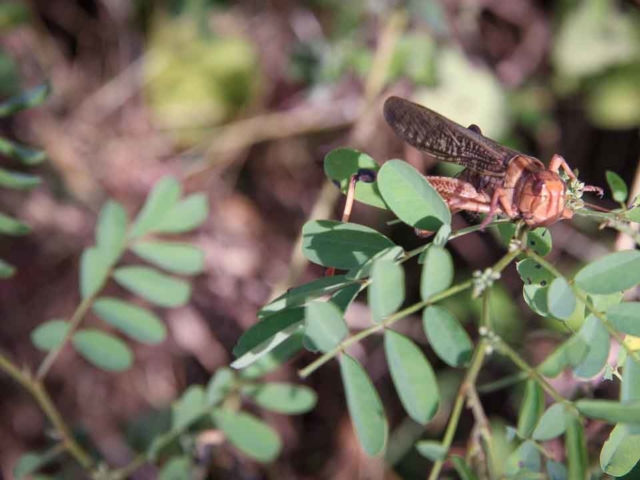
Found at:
<point>625,317</point>
<point>176,468</point>
<point>103,350</point>
<point>185,216</point>
<point>150,284</point>
<point>447,337</point>
<point>576,448</point>
<point>536,285</point>
<point>411,197</point>
<point>220,384</point>
<point>94,270</point>
<point>274,358</point>
<point>188,408</point>
<point>618,188</point>
<point>248,434</point>
<point>267,328</point>
<point>556,471</point>
<point>25,155</point>
<point>363,271</point>
<point>531,408</point>
<point>412,376</point>
<point>610,411</point>
<point>569,354</point>
<point>111,230</point>
<point>365,407</point>
<point>341,245</point>
<point>551,424</point>
<point>6,270</point>
<point>136,322</point>
<point>596,336</point>
<point>462,468</point>
<point>17,180</point>
<point>434,451</point>
<point>621,452</point>
<point>11,226</point>
<point>162,198</point>
<point>525,458</point>
<point>25,100</point>
<point>325,326</point>
<point>265,347</point>
<point>561,301</point>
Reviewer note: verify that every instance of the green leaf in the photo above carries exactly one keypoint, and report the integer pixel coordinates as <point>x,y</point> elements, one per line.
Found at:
<point>185,216</point>
<point>431,450</point>
<point>49,335</point>
<point>6,270</point>
<point>576,448</point>
<point>343,298</point>
<point>610,411</point>
<point>447,337</point>
<point>188,408</point>
<point>28,99</point>
<point>180,258</point>
<point>551,424</point>
<point>304,293</point>
<point>386,292</point>
<point>525,458</point>
<point>248,434</point>
<point>365,407</point>
<point>621,452</point>
<point>341,245</point>
<point>462,468</point>
<point>18,181</point>
<point>411,197</point>
<point>342,163</point>
<point>162,198</point>
<point>11,226</point>
<point>596,336</point>
<point>282,397</point>
<point>437,271</point>
<point>156,287</point>
<point>630,385</point>
<point>539,240</point>
<point>267,328</point>
<point>561,301</point>
<point>412,376</point>
<point>274,333</point>
<point>625,317</point>
<point>569,354</point>
<point>557,471</point>
<point>31,462</point>
<point>363,271</point>
<point>136,322</point>
<point>531,408</point>
<point>536,285</point>
<point>103,350</point>
<point>94,271</point>
<point>176,468</point>
<point>325,326</point>
<point>221,383</point>
<point>612,273</point>
<point>25,155</point>
<point>111,230</point>
<point>618,187</point>
<point>274,358</point>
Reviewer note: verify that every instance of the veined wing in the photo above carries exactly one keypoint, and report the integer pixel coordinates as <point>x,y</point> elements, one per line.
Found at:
<point>444,139</point>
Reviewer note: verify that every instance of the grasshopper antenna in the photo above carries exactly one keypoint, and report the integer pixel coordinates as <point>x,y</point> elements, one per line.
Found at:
<point>365,175</point>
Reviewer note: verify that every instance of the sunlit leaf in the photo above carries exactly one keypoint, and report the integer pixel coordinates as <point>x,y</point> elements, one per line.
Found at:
<point>551,424</point>
<point>437,271</point>
<point>111,230</point>
<point>275,358</point>
<point>596,336</point>
<point>612,273</point>
<point>181,258</point>
<point>434,451</point>
<point>341,245</point>
<point>618,187</point>
<point>412,376</point>
<point>325,326</point>
<point>364,271</point>
<point>610,411</point>
<point>621,452</point>
<point>163,197</point>
<point>282,397</point>
<point>446,336</point>
<point>186,215</point>
<point>386,292</point>
<point>150,284</point>
<point>625,317</point>
<point>365,407</point>
<point>103,350</point>
<point>94,270</point>
<point>49,335</point>
<point>136,322</point>
<point>248,434</point>
<point>410,196</point>
<point>576,448</point>
<point>342,163</point>
<point>561,301</point>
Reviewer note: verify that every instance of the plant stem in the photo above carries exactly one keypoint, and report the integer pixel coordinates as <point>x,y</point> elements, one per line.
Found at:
<point>313,366</point>
<point>76,318</point>
<point>585,301</point>
<point>35,387</point>
<point>469,380</point>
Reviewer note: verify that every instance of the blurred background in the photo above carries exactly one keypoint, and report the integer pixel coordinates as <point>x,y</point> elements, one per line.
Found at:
<point>243,99</point>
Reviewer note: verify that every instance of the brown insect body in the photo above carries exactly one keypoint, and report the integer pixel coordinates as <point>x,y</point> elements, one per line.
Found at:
<point>496,180</point>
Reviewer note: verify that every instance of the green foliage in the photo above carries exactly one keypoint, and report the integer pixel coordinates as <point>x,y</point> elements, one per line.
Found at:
<point>446,336</point>
<point>26,156</point>
<point>324,326</point>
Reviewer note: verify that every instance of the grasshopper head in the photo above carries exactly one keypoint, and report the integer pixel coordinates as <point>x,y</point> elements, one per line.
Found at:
<point>542,200</point>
